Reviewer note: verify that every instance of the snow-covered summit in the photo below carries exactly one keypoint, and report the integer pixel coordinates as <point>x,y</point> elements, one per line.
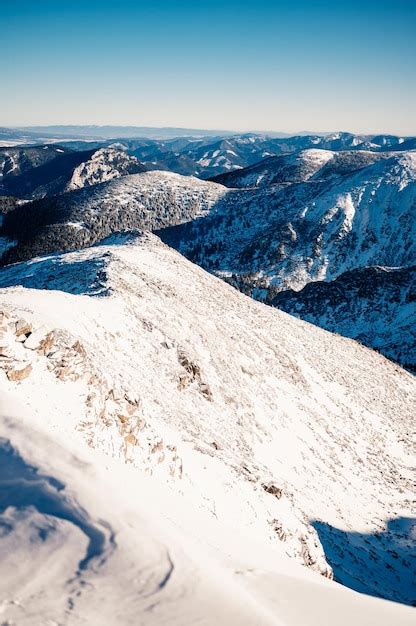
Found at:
<point>274,429</point>
<point>308,164</point>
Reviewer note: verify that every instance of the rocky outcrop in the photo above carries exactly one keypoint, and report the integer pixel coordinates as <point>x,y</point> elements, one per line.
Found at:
<point>105,164</point>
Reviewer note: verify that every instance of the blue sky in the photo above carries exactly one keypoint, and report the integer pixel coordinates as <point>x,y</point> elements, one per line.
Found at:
<point>278,65</point>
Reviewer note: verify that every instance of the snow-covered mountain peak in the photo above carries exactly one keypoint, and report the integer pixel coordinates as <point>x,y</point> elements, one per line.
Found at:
<point>404,168</point>
<point>301,166</point>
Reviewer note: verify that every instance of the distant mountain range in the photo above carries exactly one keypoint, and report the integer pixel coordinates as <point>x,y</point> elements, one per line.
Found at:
<point>205,157</point>
<point>110,131</point>
<point>208,157</point>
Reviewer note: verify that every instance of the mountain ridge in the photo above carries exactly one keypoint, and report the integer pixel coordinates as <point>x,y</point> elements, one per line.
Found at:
<point>271,454</point>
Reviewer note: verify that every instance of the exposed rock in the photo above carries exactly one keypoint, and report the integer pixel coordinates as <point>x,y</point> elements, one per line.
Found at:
<point>278,529</point>
<point>130,439</point>
<point>4,317</point>
<point>4,344</point>
<point>46,344</point>
<point>79,348</point>
<point>273,490</point>
<point>193,374</point>
<point>19,373</point>
<point>105,164</point>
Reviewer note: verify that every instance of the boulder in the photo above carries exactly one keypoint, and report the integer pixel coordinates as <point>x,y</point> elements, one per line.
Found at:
<point>22,328</point>
<point>47,343</point>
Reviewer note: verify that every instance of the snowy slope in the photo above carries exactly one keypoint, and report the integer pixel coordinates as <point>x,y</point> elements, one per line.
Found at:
<point>287,235</point>
<point>278,431</point>
<point>375,305</point>
<point>101,544</point>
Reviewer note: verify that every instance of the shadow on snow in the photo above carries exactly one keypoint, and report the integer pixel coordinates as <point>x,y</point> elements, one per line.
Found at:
<point>382,564</point>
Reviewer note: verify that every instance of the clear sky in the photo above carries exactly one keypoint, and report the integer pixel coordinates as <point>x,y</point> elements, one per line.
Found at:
<point>287,65</point>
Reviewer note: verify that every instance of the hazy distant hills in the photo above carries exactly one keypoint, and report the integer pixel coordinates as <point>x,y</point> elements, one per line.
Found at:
<point>111,131</point>
<point>105,132</point>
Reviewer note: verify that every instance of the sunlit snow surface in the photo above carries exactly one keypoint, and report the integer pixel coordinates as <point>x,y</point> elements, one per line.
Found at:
<point>279,437</point>
<point>88,540</point>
